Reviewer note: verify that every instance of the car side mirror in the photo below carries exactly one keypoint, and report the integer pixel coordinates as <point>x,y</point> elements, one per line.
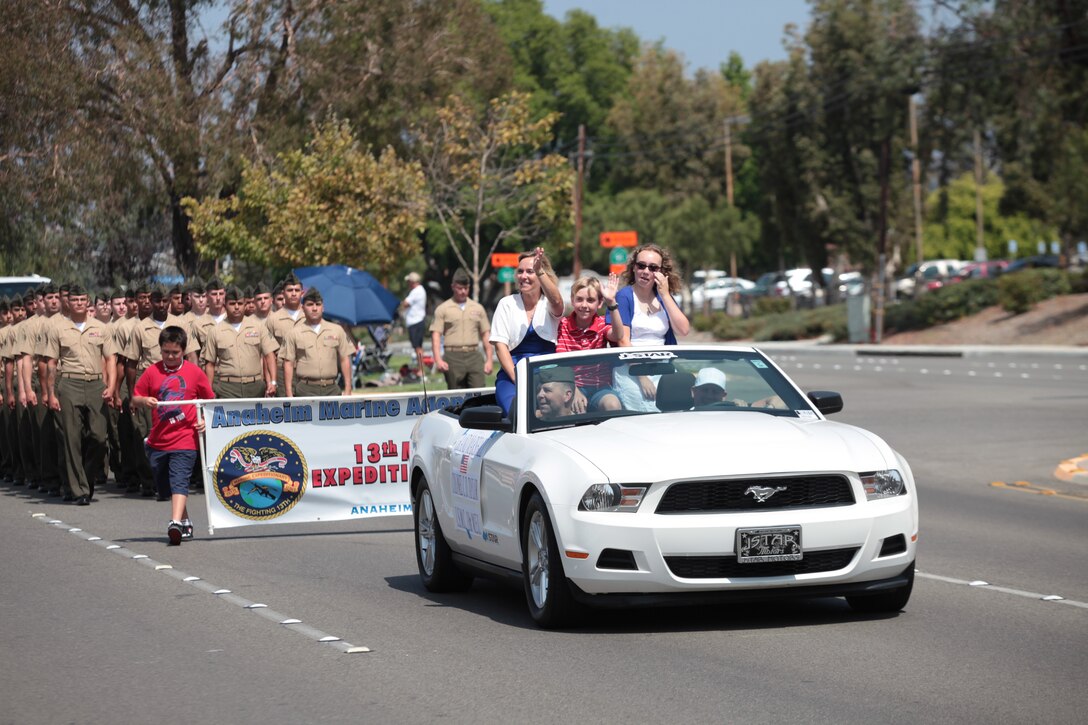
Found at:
<point>826,401</point>
<point>484,417</point>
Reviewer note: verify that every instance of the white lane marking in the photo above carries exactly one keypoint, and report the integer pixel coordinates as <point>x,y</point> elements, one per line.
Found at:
<point>261,610</point>
<point>978,583</point>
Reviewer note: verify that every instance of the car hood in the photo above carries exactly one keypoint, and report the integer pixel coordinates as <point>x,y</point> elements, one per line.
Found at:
<point>698,444</point>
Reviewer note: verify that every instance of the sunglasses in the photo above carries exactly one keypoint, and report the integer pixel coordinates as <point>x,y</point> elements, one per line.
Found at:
<point>651,267</point>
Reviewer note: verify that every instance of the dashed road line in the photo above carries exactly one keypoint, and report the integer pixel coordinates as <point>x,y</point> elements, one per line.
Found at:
<point>979,584</point>
<point>258,608</point>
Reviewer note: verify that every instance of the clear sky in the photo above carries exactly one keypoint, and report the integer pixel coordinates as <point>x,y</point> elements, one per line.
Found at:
<point>703,31</point>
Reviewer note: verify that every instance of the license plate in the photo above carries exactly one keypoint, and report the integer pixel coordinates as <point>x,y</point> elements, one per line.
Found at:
<point>760,545</point>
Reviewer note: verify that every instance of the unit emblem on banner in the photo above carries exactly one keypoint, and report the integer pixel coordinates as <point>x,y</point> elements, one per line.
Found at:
<point>260,475</point>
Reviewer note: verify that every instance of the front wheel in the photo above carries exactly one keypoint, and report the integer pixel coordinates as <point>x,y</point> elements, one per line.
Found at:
<point>885,602</point>
<point>433,555</point>
<point>551,603</point>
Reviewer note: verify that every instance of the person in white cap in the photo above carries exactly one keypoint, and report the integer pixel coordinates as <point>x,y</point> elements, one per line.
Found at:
<point>415,310</point>
<point>709,387</point>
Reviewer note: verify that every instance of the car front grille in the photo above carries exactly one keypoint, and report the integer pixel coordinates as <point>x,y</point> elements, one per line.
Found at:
<point>796,492</point>
<point>726,567</point>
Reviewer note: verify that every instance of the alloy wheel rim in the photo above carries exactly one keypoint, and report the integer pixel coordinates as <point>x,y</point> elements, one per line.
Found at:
<point>537,552</point>
<point>426,532</point>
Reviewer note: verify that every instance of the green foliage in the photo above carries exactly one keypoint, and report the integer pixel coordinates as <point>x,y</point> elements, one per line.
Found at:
<point>1020,291</point>
<point>333,202</point>
<point>489,183</point>
<point>771,306</point>
<point>950,231</point>
<point>946,304</point>
<point>789,325</point>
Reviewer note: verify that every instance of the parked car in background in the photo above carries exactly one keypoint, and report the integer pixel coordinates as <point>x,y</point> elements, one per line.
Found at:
<point>980,270</point>
<point>716,292</point>
<point>1033,262</point>
<point>11,286</point>
<point>916,278</point>
<point>851,284</point>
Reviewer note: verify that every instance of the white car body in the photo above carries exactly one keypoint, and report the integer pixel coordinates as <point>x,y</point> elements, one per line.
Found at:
<point>717,291</point>
<point>647,555</point>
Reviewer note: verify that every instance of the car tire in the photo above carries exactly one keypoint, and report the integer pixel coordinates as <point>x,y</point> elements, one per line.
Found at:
<point>434,558</point>
<point>547,592</point>
<point>885,602</point>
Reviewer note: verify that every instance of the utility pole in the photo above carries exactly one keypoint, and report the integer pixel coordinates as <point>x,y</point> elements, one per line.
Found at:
<point>916,177</point>
<point>579,185</point>
<point>732,308</point>
<point>980,179</point>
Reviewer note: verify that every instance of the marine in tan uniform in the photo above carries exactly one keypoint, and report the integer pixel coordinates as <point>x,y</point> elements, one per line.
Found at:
<point>283,320</point>
<point>460,325</point>
<point>28,418</point>
<point>315,351</point>
<point>79,359</point>
<point>137,307</point>
<point>202,323</point>
<point>50,455</point>
<point>118,310</point>
<point>141,353</point>
<point>7,399</point>
<point>16,410</point>
<point>239,354</point>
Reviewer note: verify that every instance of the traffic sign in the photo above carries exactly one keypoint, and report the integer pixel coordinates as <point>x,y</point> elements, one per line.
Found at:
<point>504,259</point>
<point>618,256</point>
<point>506,274</point>
<point>619,239</point>
<point>617,269</point>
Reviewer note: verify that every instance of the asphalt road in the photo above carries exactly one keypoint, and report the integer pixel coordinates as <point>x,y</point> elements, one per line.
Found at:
<point>91,634</point>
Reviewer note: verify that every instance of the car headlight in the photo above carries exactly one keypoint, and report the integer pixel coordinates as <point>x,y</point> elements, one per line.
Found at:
<point>611,497</point>
<point>882,484</point>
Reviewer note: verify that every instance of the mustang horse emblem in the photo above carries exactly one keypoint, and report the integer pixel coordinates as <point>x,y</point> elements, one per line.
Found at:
<point>762,493</point>
<point>252,460</point>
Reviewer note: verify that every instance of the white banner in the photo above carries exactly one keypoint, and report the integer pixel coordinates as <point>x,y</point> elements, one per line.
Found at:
<point>293,460</point>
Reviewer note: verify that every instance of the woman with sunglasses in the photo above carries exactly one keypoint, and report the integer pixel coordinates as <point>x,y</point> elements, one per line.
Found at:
<point>526,323</point>
<point>651,316</point>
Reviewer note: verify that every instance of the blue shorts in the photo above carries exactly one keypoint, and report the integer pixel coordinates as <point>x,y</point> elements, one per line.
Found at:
<point>594,396</point>
<point>171,470</point>
<point>415,336</point>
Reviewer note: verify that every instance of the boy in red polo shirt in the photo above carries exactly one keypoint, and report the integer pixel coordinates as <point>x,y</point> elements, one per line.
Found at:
<point>584,329</point>
<point>172,445</point>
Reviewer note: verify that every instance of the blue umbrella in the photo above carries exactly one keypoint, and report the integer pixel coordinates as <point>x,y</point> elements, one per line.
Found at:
<point>351,295</point>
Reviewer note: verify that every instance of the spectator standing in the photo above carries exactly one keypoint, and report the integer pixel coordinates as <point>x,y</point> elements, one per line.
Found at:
<point>415,310</point>
<point>460,325</point>
<point>172,444</point>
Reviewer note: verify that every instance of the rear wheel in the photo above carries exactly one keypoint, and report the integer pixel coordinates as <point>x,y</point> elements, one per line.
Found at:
<point>551,603</point>
<point>885,602</point>
<point>433,556</point>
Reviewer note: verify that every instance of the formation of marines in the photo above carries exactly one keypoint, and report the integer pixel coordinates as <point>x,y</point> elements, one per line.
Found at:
<point>70,360</point>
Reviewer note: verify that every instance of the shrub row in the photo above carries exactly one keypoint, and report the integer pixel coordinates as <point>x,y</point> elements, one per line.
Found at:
<point>1015,292</point>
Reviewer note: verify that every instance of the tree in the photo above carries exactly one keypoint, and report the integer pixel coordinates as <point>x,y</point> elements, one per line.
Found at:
<point>950,228</point>
<point>333,202</point>
<point>488,181</point>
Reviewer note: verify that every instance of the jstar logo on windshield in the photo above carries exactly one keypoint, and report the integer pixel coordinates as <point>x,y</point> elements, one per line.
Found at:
<point>762,493</point>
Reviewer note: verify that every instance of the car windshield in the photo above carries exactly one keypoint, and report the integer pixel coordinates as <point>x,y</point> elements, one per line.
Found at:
<point>589,389</point>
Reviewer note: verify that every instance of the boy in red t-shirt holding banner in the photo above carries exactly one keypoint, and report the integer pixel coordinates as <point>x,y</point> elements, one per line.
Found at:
<point>172,445</point>
<point>584,329</point>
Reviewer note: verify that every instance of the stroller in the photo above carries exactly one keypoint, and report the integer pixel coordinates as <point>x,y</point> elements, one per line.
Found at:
<point>371,358</point>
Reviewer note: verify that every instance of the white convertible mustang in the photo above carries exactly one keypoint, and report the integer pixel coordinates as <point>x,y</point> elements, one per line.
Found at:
<point>630,476</point>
